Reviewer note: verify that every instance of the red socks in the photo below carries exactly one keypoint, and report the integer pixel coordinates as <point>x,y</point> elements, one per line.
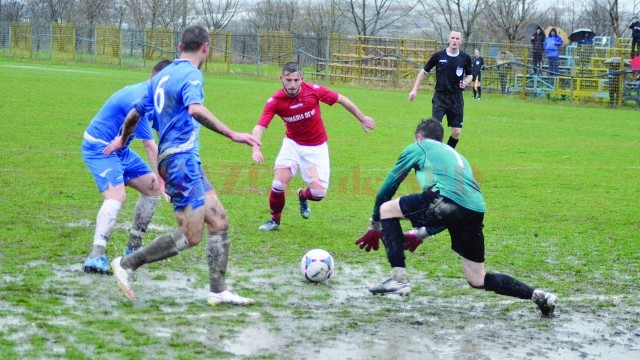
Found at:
<point>276,204</point>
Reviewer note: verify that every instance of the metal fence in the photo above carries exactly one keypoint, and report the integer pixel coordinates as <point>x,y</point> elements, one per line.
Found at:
<point>586,73</point>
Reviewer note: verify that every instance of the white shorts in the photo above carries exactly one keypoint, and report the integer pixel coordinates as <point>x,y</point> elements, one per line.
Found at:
<point>312,161</point>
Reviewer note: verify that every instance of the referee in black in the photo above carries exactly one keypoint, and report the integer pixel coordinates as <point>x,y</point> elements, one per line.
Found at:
<point>476,71</point>
<point>453,73</point>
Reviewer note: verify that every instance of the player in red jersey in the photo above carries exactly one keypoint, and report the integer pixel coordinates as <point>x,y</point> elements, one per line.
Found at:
<point>305,147</point>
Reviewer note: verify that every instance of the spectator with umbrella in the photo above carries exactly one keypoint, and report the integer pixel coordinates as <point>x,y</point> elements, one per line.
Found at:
<point>582,36</point>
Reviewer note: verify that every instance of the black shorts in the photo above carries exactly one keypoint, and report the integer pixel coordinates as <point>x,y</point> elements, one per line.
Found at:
<point>464,225</point>
<point>476,77</point>
<point>451,105</point>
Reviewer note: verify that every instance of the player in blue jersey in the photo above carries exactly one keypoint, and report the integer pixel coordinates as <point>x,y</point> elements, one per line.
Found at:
<point>176,96</point>
<point>124,167</point>
<point>451,198</point>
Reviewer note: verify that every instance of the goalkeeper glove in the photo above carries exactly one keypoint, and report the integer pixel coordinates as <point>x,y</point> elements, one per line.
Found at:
<point>411,240</point>
<point>371,240</point>
<point>415,237</point>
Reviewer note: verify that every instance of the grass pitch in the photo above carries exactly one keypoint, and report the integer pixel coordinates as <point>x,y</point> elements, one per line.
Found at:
<point>560,182</point>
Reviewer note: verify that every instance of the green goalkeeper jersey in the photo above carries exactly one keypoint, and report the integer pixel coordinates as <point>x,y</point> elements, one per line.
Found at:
<point>436,165</point>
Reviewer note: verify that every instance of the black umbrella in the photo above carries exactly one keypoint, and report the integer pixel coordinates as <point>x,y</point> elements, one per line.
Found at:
<point>582,34</point>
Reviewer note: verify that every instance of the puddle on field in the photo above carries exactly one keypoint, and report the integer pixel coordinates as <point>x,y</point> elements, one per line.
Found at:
<point>176,288</point>
<point>339,319</point>
<point>255,341</point>
<point>348,323</point>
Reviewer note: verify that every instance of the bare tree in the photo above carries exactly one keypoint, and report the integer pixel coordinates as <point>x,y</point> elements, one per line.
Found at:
<point>120,12</point>
<point>92,11</point>
<point>605,17</point>
<point>593,15</point>
<point>12,10</point>
<point>216,14</point>
<point>50,10</point>
<point>448,15</point>
<point>155,13</point>
<point>135,10</point>
<point>170,14</point>
<point>509,17</point>
<point>274,15</point>
<point>613,12</point>
<point>323,18</point>
<point>372,17</point>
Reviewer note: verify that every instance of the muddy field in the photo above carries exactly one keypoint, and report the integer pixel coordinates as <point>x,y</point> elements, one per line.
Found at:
<point>337,320</point>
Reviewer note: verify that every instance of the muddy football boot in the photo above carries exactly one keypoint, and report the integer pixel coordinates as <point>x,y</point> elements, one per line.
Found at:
<point>391,287</point>
<point>270,225</point>
<point>97,265</point>
<point>545,301</point>
<point>305,210</point>
<point>124,277</point>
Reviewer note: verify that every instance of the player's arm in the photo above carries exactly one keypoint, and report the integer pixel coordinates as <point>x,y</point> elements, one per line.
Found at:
<point>421,75</point>
<point>406,162</point>
<point>371,239</point>
<point>208,120</point>
<point>468,70</point>
<point>130,123</point>
<point>366,122</point>
<point>467,80</point>
<point>151,148</point>
<point>257,132</point>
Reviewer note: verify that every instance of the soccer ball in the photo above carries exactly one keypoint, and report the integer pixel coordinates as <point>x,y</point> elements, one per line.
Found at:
<point>317,265</point>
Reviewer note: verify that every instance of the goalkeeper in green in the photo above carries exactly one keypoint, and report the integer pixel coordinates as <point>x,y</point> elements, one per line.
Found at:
<point>451,199</point>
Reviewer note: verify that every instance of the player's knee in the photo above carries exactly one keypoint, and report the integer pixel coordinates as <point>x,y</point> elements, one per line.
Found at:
<point>217,220</point>
<point>390,209</point>
<point>153,190</point>
<point>121,198</point>
<point>455,132</point>
<point>218,225</point>
<point>194,237</point>
<point>278,185</point>
<point>318,193</point>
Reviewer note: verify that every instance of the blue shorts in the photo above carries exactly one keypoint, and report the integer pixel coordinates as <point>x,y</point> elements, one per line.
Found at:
<point>115,169</point>
<point>184,180</point>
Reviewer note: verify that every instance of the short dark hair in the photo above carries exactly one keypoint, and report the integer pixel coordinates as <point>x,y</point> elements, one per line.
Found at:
<point>291,67</point>
<point>159,66</point>
<point>430,129</point>
<point>193,37</point>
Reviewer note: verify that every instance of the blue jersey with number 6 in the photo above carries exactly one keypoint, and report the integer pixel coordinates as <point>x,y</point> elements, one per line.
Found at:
<point>170,93</point>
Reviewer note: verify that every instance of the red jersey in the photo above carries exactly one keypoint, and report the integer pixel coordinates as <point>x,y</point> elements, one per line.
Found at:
<point>301,114</point>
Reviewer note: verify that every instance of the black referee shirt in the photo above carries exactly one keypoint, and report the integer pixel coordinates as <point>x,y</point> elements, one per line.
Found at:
<point>450,70</point>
